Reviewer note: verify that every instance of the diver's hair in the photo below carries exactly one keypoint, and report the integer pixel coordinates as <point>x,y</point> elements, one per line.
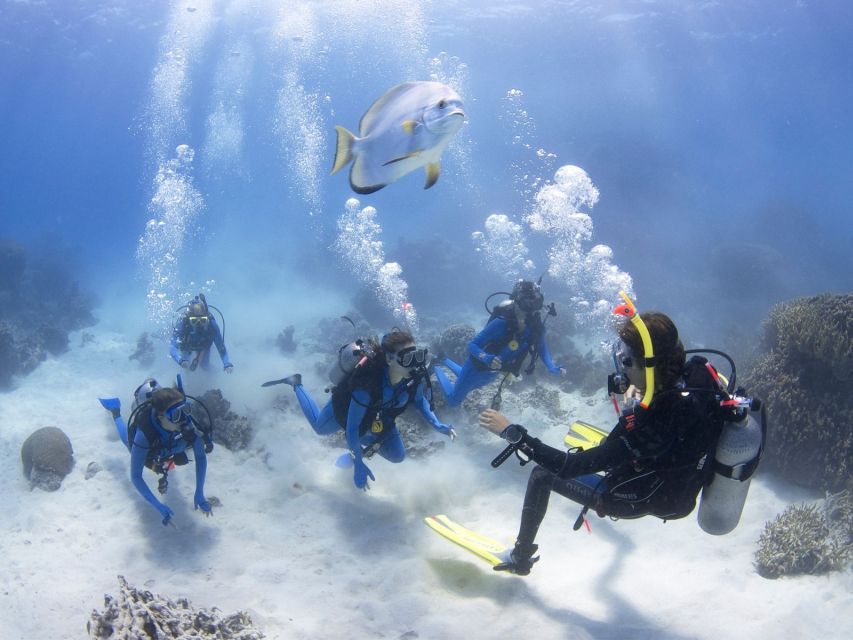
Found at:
<point>395,339</point>
<point>669,352</point>
<point>162,398</point>
<point>196,309</point>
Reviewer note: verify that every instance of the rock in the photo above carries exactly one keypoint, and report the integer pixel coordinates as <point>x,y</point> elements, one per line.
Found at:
<point>144,353</point>
<point>230,430</point>
<point>47,457</point>
<point>92,470</point>
<point>285,341</point>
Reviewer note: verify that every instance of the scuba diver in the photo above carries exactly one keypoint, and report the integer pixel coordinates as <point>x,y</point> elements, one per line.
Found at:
<point>195,332</point>
<point>158,433</point>
<point>379,384</point>
<point>656,460</point>
<point>515,329</point>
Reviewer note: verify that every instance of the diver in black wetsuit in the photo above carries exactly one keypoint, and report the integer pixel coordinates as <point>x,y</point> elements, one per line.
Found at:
<point>653,461</point>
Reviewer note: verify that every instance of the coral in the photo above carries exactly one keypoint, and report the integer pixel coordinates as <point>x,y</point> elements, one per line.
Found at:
<point>142,615</point>
<point>809,539</point>
<point>144,353</point>
<point>230,430</point>
<point>803,373</point>
<point>40,304</point>
<point>47,458</point>
<point>453,342</point>
<point>285,341</point>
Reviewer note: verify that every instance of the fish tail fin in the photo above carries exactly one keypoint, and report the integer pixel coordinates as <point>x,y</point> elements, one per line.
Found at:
<point>343,151</point>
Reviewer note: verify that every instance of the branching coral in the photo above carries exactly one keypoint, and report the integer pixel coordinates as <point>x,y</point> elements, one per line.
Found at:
<point>808,539</point>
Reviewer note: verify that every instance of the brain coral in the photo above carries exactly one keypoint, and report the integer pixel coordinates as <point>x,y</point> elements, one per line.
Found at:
<point>803,374</point>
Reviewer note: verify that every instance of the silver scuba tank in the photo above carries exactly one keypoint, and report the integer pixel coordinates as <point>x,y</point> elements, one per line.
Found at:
<point>143,392</point>
<point>735,460</point>
<point>349,357</point>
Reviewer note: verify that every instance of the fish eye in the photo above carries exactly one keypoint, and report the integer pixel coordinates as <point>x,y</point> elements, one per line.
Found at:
<point>442,104</point>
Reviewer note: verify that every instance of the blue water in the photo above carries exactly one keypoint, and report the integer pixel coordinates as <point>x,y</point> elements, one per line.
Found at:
<point>718,134</point>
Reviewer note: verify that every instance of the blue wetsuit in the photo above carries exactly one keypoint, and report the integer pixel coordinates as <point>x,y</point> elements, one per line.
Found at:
<point>394,399</point>
<point>493,341</point>
<point>171,444</point>
<point>186,339</point>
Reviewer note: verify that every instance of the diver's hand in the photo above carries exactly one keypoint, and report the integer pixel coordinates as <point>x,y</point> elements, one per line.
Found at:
<point>558,370</point>
<point>201,503</point>
<point>494,421</point>
<point>447,430</point>
<point>166,512</point>
<point>185,364</point>
<point>208,447</point>
<point>361,473</point>
<point>495,364</point>
<point>229,368</point>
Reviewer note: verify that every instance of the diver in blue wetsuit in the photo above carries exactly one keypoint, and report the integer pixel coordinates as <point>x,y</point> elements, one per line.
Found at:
<point>367,403</point>
<point>194,333</point>
<point>160,431</point>
<point>514,331</point>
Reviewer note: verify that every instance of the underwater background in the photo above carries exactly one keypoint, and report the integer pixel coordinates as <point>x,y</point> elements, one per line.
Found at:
<point>715,137</point>
<point>693,154</point>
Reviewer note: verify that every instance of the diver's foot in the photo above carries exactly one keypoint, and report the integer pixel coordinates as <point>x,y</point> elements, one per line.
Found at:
<point>294,381</point>
<point>519,560</point>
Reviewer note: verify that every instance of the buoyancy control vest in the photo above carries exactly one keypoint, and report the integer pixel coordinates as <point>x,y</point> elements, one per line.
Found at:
<point>674,441</point>
<point>368,377</point>
<point>530,336</point>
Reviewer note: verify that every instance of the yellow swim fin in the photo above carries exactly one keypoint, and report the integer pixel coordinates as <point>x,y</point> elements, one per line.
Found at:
<point>584,435</point>
<point>481,546</point>
<point>343,150</point>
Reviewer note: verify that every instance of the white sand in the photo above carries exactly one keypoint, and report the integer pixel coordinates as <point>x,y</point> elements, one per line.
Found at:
<point>309,556</point>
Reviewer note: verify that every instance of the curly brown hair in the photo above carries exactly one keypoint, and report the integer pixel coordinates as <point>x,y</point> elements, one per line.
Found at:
<point>395,339</point>
<point>669,352</point>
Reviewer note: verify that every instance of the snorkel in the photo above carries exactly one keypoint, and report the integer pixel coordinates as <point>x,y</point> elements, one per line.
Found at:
<point>628,310</point>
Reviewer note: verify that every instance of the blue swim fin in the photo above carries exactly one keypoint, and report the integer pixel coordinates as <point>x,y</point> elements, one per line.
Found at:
<point>113,405</point>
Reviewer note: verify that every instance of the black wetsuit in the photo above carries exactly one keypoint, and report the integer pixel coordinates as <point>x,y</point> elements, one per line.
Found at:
<point>654,462</point>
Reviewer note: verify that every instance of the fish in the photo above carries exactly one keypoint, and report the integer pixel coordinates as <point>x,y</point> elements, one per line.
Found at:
<point>406,128</point>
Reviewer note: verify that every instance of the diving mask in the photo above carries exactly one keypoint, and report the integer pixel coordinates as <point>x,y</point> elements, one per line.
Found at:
<point>199,321</point>
<point>411,357</point>
<point>178,413</point>
<point>623,360</point>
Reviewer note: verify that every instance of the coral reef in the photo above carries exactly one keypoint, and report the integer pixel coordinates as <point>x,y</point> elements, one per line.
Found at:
<point>808,539</point>
<point>47,458</point>
<point>803,374</point>
<point>144,353</point>
<point>285,341</point>
<point>40,304</point>
<point>142,615</point>
<point>232,431</point>
<point>453,342</point>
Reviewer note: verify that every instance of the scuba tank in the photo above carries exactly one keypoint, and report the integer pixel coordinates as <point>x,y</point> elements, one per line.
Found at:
<point>350,356</point>
<point>143,392</point>
<point>735,460</point>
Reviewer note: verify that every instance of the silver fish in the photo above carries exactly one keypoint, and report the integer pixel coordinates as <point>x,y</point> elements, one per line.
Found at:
<point>408,127</point>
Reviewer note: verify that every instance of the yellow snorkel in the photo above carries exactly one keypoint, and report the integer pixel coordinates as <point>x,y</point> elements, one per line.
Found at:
<point>628,310</point>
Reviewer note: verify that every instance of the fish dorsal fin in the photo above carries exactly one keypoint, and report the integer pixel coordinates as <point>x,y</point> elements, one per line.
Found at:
<point>432,171</point>
<point>409,126</point>
<point>369,116</point>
